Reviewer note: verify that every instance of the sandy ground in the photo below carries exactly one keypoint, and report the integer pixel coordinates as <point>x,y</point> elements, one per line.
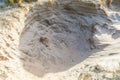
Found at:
<point>41,43</point>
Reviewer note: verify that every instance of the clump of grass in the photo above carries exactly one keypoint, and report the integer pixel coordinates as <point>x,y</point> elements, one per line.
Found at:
<point>19,2</point>
<point>11,2</point>
<point>49,3</point>
<point>116,77</point>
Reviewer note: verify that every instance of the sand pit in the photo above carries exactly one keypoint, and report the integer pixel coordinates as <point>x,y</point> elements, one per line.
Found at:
<point>59,42</point>
<point>54,42</point>
<point>56,39</point>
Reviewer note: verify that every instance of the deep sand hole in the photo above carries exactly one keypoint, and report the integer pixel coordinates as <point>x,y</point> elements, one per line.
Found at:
<point>56,39</point>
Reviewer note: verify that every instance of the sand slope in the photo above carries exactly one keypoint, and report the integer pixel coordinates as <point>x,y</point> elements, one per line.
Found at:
<point>63,42</point>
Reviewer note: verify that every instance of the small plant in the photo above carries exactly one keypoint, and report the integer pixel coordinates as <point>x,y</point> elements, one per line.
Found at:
<point>19,2</point>
<point>116,77</point>
<point>11,2</point>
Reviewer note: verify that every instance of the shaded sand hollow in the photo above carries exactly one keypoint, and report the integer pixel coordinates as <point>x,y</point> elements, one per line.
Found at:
<point>70,40</point>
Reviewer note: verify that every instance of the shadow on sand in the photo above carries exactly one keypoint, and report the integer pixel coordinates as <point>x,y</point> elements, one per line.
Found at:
<point>68,44</point>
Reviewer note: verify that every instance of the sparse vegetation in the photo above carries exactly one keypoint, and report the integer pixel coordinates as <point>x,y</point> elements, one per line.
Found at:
<point>116,77</point>
<point>19,2</point>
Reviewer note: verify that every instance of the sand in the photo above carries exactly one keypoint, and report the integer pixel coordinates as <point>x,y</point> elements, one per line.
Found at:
<point>59,42</point>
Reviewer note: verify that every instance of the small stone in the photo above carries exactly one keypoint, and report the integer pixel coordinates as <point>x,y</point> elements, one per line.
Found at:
<point>44,40</point>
